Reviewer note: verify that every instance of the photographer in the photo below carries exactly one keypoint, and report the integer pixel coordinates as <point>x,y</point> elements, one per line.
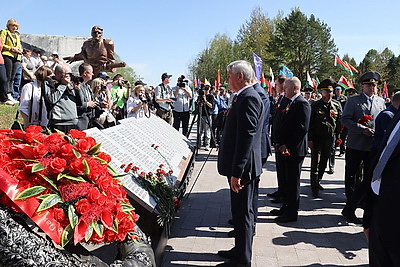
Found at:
<point>103,117</point>
<point>120,91</point>
<point>85,104</point>
<point>183,94</point>
<point>205,102</point>
<point>60,98</point>
<point>163,101</point>
<point>137,103</point>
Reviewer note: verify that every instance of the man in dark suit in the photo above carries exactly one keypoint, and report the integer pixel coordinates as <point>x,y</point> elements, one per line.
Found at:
<point>381,218</point>
<point>239,158</point>
<point>291,143</point>
<point>360,139</point>
<point>279,106</point>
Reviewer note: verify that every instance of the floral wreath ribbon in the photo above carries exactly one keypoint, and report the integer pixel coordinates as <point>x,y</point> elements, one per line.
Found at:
<point>45,219</point>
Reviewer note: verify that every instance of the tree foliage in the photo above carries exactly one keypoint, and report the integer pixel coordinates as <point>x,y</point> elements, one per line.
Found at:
<point>303,44</point>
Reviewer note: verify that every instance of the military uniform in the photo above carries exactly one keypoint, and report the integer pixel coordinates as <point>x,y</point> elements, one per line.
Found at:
<point>324,121</point>
<point>324,124</point>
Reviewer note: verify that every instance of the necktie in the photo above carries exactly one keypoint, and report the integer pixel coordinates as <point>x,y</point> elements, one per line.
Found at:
<point>388,151</point>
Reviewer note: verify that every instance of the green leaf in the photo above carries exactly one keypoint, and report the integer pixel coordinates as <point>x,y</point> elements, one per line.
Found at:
<point>120,175</point>
<point>102,161</point>
<point>94,150</point>
<point>41,197</point>
<point>87,169</point>
<point>29,160</point>
<point>49,202</point>
<point>15,139</point>
<point>60,133</point>
<point>115,227</point>
<point>48,131</point>
<point>77,178</point>
<point>51,182</point>
<point>33,191</point>
<point>37,167</point>
<point>76,153</point>
<point>67,235</point>
<point>112,169</point>
<point>73,218</point>
<point>127,208</point>
<point>98,228</point>
<point>89,233</point>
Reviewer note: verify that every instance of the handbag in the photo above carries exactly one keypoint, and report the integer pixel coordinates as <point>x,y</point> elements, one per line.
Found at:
<point>16,124</point>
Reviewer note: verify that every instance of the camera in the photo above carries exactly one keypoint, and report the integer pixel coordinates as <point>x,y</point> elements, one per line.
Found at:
<point>181,81</point>
<point>103,87</point>
<point>143,98</point>
<point>76,79</point>
<point>200,92</point>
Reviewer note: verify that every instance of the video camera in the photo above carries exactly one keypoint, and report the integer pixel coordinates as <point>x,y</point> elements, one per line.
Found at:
<point>76,79</point>
<point>181,81</point>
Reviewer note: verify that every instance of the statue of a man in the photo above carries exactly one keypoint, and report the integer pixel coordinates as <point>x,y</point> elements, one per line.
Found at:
<point>97,52</point>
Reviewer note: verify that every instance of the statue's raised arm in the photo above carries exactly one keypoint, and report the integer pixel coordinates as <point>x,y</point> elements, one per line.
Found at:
<point>97,52</point>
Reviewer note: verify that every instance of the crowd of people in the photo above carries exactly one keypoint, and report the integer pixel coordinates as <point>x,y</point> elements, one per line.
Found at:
<point>243,121</point>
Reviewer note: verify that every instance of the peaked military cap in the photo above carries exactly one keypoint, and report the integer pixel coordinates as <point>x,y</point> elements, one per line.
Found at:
<point>370,77</point>
<point>327,84</point>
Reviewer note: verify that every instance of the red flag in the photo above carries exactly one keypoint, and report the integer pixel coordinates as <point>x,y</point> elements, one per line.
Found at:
<point>218,80</point>
<point>352,68</point>
<point>385,91</point>
<point>263,82</point>
<point>196,85</point>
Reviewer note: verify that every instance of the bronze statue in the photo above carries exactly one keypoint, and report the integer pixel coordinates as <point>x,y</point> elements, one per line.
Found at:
<point>98,52</point>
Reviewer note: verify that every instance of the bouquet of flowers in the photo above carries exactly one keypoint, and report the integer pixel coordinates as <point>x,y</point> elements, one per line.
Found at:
<point>338,142</point>
<point>64,184</point>
<point>365,120</point>
<point>158,188</point>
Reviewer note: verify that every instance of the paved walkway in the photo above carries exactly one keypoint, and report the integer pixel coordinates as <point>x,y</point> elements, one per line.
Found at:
<point>320,237</point>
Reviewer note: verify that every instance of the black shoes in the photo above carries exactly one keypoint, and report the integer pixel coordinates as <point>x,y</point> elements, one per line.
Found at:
<point>350,216</point>
<point>274,194</point>
<point>230,221</point>
<point>285,218</point>
<point>278,199</point>
<point>315,193</point>
<point>231,233</point>
<point>320,187</point>
<point>330,172</point>
<point>227,254</point>
<point>277,212</point>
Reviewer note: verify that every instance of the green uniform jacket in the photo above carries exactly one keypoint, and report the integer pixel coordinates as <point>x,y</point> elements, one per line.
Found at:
<point>325,119</point>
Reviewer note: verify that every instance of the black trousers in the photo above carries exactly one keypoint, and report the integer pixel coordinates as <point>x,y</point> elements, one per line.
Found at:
<point>320,153</point>
<point>354,158</point>
<point>331,160</point>
<point>181,117</point>
<point>3,83</point>
<point>381,252</point>
<point>11,65</point>
<point>291,183</point>
<point>243,214</point>
<point>279,171</point>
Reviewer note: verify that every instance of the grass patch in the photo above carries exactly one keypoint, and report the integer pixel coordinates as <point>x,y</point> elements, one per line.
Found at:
<point>7,116</point>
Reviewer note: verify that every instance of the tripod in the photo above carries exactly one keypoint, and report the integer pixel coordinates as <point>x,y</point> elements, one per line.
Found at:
<point>198,116</point>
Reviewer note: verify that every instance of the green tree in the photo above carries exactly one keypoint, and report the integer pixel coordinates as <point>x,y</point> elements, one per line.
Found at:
<point>254,36</point>
<point>393,68</point>
<point>303,44</point>
<point>218,54</point>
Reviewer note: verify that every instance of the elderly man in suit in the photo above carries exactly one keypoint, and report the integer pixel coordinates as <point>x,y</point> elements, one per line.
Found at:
<point>381,219</point>
<point>291,143</point>
<point>355,118</point>
<point>239,158</point>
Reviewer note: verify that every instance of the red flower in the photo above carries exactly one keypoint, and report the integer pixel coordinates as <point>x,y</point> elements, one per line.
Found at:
<point>57,165</point>
<point>94,195</point>
<point>104,156</point>
<point>127,169</point>
<point>40,151</point>
<point>59,215</point>
<point>76,167</point>
<point>83,206</point>
<point>83,145</point>
<point>66,151</point>
<point>176,202</point>
<point>77,134</point>
<point>338,142</point>
<point>365,119</point>
<point>286,154</point>
<point>34,129</point>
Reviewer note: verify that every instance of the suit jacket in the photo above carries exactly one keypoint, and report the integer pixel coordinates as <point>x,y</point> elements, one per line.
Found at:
<point>265,140</point>
<point>239,153</point>
<point>388,218</point>
<point>294,128</point>
<point>356,107</point>
<point>277,118</point>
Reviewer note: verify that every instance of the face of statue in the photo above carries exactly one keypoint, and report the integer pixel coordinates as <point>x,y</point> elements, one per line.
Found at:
<point>97,33</point>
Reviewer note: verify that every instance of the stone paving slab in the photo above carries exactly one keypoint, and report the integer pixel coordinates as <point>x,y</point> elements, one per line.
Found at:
<point>320,237</point>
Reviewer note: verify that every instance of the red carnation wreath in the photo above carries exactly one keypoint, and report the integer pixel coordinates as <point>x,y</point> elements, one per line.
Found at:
<point>64,184</point>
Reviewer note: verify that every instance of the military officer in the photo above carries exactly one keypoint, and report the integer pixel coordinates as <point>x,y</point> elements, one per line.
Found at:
<point>343,133</point>
<point>324,124</point>
<point>356,119</point>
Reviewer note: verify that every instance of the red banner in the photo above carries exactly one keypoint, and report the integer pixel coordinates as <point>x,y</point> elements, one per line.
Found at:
<point>44,219</point>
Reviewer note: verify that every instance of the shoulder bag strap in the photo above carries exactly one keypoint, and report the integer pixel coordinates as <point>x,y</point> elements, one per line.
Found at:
<point>31,103</point>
